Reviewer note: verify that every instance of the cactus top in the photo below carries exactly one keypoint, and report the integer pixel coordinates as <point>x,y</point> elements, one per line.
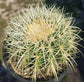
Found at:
<point>39,30</point>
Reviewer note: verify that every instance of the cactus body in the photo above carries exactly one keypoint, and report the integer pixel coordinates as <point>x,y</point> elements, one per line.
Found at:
<point>41,41</point>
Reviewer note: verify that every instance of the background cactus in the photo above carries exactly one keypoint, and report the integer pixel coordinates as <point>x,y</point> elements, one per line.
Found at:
<point>41,42</point>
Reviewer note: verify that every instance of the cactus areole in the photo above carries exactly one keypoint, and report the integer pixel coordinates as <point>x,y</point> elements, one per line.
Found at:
<point>41,42</point>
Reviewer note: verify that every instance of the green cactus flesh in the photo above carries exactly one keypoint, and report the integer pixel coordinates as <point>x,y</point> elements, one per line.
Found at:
<point>41,42</point>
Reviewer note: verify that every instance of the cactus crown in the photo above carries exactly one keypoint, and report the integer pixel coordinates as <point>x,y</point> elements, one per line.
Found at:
<point>41,42</point>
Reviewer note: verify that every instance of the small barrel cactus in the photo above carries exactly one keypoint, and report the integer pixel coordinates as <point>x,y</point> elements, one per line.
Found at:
<point>41,42</point>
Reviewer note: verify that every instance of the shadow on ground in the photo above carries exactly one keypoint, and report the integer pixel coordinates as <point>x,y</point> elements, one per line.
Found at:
<point>5,75</point>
